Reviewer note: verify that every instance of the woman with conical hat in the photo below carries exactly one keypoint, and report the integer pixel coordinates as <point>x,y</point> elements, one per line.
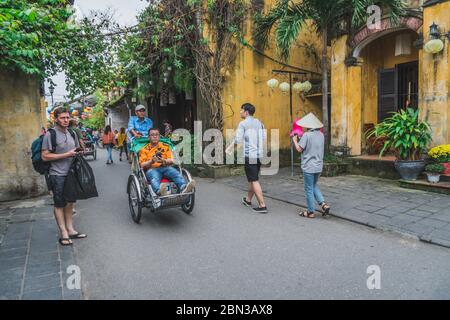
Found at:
<point>311,147</point>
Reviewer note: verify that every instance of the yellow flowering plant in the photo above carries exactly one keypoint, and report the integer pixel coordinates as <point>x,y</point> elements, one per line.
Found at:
<point>440,153</point>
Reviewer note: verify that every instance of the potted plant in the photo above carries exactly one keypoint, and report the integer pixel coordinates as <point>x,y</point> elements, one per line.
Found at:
<point>408,138</point>
<point>434,171</point>
<point>441,154</point>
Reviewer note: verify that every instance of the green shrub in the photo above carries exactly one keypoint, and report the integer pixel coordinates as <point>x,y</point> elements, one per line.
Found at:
<point>435,168</point>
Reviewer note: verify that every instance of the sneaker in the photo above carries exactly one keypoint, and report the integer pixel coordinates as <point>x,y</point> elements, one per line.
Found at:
<point>189,187</point>
<point>246,203</point>
<point>163,189</point>
<point>260,210</point>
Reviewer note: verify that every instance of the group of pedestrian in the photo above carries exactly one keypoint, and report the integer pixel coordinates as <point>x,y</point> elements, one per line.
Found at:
<point>310,144</point>
<point>114,139</point>
<point>157,160</point>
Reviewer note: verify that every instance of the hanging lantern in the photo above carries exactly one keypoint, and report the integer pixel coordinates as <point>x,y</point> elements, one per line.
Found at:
<point>273,83</point>
<point>297,87</point>
<point>306,86</point>
<point>189,94</point>
<point>285,87</point>
<point>164,97</point>
<point>434,46</point>
<point>172,97</point>
<point>403,45</point>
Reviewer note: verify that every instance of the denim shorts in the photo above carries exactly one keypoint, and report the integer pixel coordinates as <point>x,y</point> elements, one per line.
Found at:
<point>56,184</point>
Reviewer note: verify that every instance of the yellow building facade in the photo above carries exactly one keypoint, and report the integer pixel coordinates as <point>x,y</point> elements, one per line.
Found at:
<point>22,115</point>
<point>247,82</point>
<point>373,72</point>
<point>377,71</point>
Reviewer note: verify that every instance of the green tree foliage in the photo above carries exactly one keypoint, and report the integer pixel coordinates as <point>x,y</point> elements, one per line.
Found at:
<point>40,37</point>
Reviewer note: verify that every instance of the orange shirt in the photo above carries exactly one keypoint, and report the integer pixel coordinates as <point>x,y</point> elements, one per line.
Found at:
<point>148,152</point>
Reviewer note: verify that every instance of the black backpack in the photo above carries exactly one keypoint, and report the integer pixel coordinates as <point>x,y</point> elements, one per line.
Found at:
<point>39,165</point>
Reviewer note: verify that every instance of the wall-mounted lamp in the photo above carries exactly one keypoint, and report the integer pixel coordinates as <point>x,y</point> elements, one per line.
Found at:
<point>435,44</point>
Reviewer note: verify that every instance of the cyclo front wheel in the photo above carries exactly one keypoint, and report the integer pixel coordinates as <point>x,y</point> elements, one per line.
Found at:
<point>134,199</point>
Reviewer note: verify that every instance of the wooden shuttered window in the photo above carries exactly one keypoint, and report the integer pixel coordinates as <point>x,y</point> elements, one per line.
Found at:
<point>387,93</point>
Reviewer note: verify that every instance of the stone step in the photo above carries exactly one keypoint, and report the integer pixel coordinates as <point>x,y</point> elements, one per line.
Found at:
<point>442,187</point>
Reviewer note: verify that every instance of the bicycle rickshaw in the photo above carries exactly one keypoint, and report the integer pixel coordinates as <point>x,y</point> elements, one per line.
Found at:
<point>90,149</point>
<point>141,194</point>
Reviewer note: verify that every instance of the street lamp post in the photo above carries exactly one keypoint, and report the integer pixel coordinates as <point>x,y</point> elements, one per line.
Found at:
<point>52,89</point>
<point>290,73</point>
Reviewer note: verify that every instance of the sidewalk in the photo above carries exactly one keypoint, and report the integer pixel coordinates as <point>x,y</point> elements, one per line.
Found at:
<point>374,202</point>
<point>32,264</point>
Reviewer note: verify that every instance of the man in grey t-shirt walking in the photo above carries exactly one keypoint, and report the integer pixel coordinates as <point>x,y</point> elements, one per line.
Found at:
<point>60,157</point>
<point>252,134</point>
<point>311,146</point>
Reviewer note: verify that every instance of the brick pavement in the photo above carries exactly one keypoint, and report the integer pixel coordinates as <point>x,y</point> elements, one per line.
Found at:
<point>374,202</point>
<point>32,263</point>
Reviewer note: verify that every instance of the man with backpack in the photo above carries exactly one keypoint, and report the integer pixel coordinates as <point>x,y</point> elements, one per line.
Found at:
<point>59,146</point>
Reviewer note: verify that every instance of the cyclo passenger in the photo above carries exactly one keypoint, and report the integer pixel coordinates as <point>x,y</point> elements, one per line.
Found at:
<point>156,159</point>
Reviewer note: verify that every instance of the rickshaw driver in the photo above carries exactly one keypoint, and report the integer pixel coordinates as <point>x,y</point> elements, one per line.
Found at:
<point>156,159</point>
<point>139,125</point>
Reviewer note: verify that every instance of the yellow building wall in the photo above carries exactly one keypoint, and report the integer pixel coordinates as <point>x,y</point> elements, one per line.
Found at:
<point>20,123</point>
<point>338,92</point>
<point>434,78</point>
<point>351,87</point>
<point>378,55</point>
<point>247,82</point>
<point>346,111</point>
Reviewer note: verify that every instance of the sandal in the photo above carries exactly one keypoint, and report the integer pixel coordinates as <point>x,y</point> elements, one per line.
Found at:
<point>307,214</point>
<point>67,243</point>
<point>326,209</point>
<point>78,236</point>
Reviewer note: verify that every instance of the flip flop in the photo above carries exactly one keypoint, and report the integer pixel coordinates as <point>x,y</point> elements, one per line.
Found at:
<point>78,236</point>
<point>65,244</point>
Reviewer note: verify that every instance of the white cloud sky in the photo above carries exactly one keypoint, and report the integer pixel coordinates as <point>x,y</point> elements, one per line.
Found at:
<point>125,15</point>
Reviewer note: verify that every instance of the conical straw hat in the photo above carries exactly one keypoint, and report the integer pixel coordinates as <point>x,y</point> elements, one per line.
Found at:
<point>310,121</point>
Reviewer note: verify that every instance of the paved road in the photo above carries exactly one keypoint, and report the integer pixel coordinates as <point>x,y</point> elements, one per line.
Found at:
<point>224,251</point>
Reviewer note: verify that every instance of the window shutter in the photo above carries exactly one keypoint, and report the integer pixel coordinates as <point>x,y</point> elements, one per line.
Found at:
<point>387,97</point>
